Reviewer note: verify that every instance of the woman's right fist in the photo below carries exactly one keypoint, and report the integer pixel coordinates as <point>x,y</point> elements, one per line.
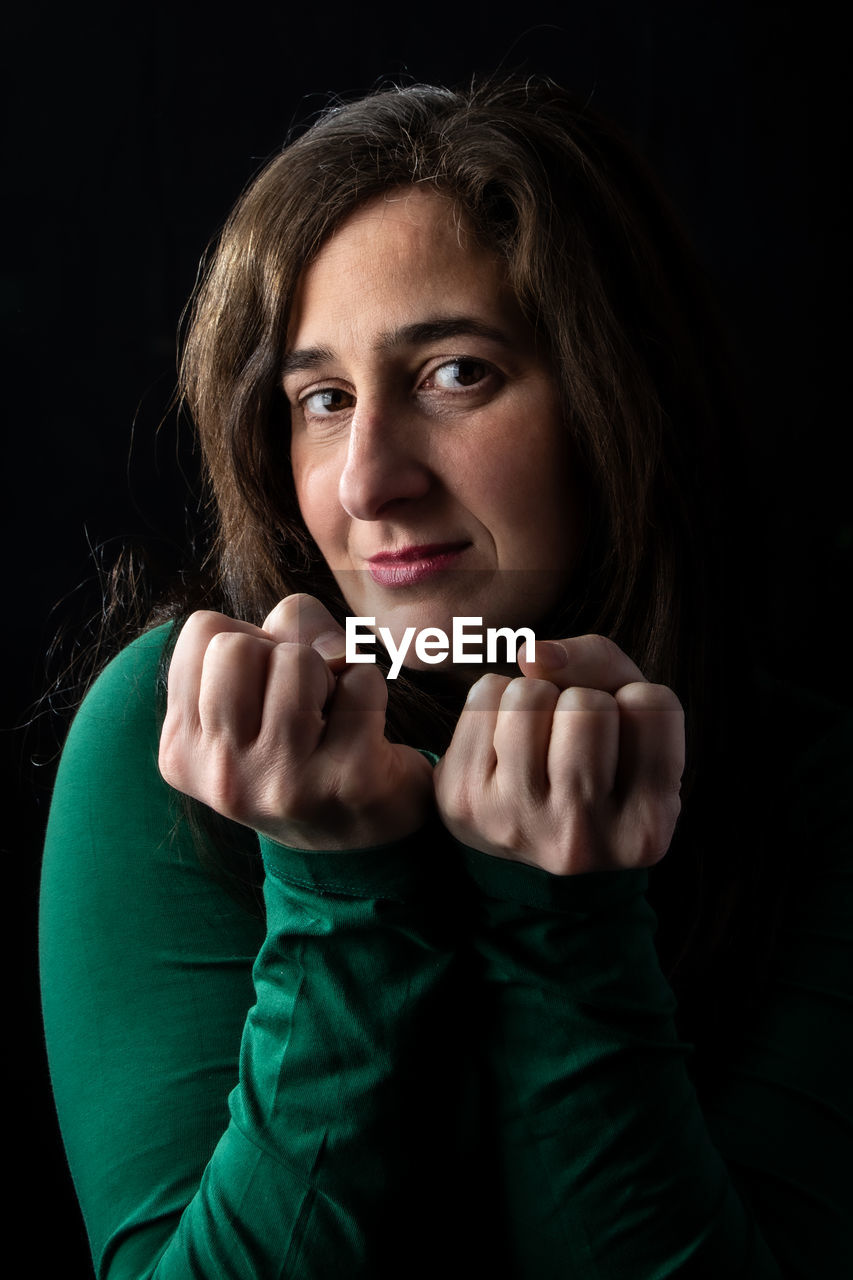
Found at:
<point>269,728</point>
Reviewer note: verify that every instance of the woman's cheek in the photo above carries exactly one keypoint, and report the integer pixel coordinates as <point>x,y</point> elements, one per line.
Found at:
<point>317,491</point>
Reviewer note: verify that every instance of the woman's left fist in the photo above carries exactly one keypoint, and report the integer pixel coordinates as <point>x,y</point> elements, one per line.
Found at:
<point>575,766</point>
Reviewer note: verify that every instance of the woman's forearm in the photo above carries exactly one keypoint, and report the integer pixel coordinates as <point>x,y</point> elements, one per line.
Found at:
<point>606,1157</point>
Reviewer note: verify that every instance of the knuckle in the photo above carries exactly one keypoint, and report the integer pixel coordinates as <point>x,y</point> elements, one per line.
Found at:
<point>579,700</point>
<point>298,600</point>
<point>601,648</point>
<point>367,678</point>
<point>224,788</point>
<point>655,827</point>
<point>514,692</point>
<point>530,691</point>
<point>494,683</point>
<point>171,757</point>
<point>229,645</point>
<point>486,693</point>
<point>297,617</point>
<point>259,784</point>
<point>284,614</point>
<point>649,697</point>
<point>300,657</point>
<point>511,834</point>
<point>454,794</point>
<point>449,794</point>
<point>296,661</point>
<point>576,847</point>
<point>296,806</point>
<point>204,622</point>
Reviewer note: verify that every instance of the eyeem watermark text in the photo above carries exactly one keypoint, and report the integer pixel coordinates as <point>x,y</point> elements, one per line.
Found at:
<point>432,644</point>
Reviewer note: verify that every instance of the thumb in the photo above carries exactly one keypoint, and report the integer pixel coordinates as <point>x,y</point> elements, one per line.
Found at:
<point>591,662</point>
<point>302,619</point>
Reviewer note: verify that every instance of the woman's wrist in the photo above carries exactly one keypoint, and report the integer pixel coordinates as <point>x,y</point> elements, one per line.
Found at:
<point>396,870</point>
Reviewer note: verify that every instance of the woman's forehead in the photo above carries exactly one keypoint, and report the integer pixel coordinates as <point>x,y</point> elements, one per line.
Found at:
<point>397,259</point>
<point>399,226</point>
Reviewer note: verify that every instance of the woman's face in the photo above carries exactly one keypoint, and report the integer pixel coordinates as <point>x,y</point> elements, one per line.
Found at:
<point>431,465</point>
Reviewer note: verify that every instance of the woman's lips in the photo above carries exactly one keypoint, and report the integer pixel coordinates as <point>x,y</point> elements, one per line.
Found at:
<point>410,565</point>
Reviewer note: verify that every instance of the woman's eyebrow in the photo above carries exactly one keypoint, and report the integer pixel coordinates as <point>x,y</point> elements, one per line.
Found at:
<point>420,333</point>
<point>438,329</point>
<point>306,358</point>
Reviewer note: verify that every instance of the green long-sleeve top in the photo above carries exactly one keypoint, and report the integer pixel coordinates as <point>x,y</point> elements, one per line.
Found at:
<point>424,1059</point>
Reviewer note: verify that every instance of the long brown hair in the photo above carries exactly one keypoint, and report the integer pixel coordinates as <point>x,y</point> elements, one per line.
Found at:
<point>602,272</point>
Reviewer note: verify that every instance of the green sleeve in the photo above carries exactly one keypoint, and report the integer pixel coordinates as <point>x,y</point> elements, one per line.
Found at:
<point>610,1166</point>
<point>236,1101</point>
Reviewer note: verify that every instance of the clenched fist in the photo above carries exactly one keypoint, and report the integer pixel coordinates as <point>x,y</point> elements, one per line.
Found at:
<point>575,766</point>
<point>267,727</point>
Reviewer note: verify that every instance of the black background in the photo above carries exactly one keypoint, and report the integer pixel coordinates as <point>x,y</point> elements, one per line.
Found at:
<point>131,133</point>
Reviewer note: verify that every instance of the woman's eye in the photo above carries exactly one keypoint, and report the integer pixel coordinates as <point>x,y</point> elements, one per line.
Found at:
<point>327,400</point>
<point>458,374</point>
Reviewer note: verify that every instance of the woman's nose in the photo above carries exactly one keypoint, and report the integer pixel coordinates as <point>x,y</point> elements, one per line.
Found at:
<point>383,464</point>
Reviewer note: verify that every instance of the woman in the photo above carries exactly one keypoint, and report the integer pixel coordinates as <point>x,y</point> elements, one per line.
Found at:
<point>450,361</point>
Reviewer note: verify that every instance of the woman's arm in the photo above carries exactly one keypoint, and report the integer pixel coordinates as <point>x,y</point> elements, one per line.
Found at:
<point>610,1166</point>
<point>213,1129</point>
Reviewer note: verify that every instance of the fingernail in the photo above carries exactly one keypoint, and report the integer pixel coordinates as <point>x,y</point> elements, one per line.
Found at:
<point>331,644</point>
<point>550,655</point>
<point>478,691</point>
